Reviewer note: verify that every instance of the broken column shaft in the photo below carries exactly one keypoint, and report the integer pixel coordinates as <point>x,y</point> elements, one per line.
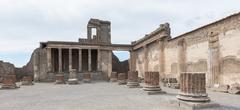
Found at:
<point>151,81</point>
<point>122,78</point>
<point>132,79</point>
<point>9,81</point>
<point>113,77</point>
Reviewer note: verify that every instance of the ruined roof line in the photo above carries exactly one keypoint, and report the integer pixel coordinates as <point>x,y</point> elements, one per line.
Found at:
<point>204,26</point>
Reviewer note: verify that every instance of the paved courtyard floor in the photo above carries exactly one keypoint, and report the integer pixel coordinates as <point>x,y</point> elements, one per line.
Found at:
<point>96,96</point>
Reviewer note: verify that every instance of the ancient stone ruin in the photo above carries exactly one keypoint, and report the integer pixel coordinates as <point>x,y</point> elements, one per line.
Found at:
<point>132,81</point>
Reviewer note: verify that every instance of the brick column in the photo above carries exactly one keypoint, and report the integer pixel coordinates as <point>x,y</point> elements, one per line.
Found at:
<point>80,59</point>
<point>70,60</point>
<point>89,60</point>
<point>9,82</point>
<point>161,58</point>
<point>49,59</point>
<point>132,79</point>
<point>151,80</point>
<point>59,60</point>
<point>193,87</point>
<point>132,63</point>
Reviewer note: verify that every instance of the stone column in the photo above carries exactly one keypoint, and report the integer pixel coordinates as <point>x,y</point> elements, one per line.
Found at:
<point>49,59</point>
<point>214,60</point>
<point>132,63</point>
<point>193,87</point>
<point>70,59</point>
<point>89,60</point>
<point>89,32</point>
<point>145,58</point>
<point>151,80</point>
<point>99,60</point>
<point>109,63</point>
<point>35,66</point>
<point>161,58</point>
<point>132,79</point>
<point>181,57</point>
<point>80,59</point>
<point>59,60</point>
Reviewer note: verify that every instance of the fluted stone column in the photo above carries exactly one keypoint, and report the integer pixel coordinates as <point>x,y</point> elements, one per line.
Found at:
<point>122,77</point>
<point>89,60</point>
<point>49,59</point>
<point>193,87</point>
<point>151,80</point>
<point>59,60</point>
<point>132,79</point>
<point>70,59</point>
<point>114,77</point>
<point>80,59</point>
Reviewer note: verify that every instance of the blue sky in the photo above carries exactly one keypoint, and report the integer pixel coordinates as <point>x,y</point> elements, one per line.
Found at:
<point>25,23</point>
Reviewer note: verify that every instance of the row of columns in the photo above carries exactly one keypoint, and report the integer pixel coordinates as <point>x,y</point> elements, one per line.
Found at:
<point>49,60</point>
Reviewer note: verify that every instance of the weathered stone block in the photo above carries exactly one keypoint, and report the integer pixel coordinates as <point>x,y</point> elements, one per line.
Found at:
<point>122,77</point>
<point>59,78</point>
<point>87,77</point>
<point>114,77</point>
<point>9,82</point>
<point>27,80</point>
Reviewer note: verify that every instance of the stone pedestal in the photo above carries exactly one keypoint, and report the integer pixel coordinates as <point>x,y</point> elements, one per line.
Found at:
<point>87,77</point>
<point>59,78</point>
<point>73,77</point>
<point>193,87</point>
<point>27,80</point>
<point>9,82</point>
<point>122,78</point>
<point>132,79</point>
<point>151,85</point>
<point>113,77</point>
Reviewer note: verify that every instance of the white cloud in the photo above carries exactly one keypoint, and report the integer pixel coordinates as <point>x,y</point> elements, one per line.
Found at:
<point>24,23</point>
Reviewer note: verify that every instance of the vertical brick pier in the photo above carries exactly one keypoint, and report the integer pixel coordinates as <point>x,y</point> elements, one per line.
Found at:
<point>132,81</point>
<point>151,81</point>
<point>122,77</point>
<point>193,87</point>
<point>114,77</point>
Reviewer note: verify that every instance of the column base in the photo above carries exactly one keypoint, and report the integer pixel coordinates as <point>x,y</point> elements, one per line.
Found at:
<point>133,84</point>
<point>193,98</point>
<point>153,90</point>
<point>197,105</point>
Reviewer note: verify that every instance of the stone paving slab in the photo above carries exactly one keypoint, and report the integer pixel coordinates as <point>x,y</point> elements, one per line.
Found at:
<point>90,96</point>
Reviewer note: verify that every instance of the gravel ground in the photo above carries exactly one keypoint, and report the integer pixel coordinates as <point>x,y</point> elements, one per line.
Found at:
<point>94,96</point>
